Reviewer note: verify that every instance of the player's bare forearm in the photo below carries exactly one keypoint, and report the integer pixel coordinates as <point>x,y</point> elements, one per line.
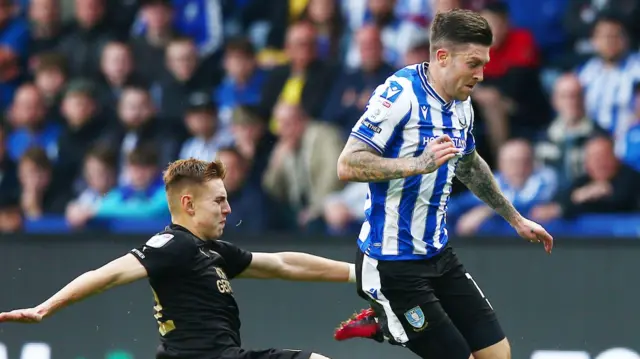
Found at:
<point>476,174</point>
<point>307,267</point>
<point>120,271</point>
<point>360,162</point>
<point>299,267</point>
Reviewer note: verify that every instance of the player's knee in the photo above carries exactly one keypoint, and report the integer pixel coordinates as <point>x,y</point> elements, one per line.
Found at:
<point>317,356</point>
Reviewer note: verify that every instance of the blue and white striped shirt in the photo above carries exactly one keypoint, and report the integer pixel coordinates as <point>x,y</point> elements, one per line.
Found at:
<point>609,94</point>
<point>405,218</point>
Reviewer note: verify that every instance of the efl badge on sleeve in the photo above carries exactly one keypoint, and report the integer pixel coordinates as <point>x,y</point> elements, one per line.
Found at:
<point>416,318</point>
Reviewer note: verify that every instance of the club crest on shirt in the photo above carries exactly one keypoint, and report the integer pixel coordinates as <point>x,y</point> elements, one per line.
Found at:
<point>415,317</point>
<point>392,92</point>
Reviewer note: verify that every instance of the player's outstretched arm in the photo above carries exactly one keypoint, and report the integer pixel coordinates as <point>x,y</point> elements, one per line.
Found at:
<point>299,267</point>
<point>360,162</point>
<point>476,174</point>
<point>123,270</point>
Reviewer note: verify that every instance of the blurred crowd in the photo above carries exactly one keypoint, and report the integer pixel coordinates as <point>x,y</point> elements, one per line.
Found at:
<point>96,105</point>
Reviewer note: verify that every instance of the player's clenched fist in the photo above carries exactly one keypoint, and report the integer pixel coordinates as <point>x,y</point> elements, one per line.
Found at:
<point>30,315</point>
<point>438,152</point>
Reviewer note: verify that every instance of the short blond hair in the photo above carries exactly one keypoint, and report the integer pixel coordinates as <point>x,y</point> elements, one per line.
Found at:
<point>192,171</point>
<point>185,174</point>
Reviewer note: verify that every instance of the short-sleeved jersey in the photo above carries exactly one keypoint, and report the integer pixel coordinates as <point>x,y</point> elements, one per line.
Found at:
<point>195,309</point>
<point>406,218</point>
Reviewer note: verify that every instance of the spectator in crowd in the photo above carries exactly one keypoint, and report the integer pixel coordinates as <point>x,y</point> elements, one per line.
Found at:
<point>116,71</point>
<point>304,81</point>
<point>149,48</point>
<point>562,149</point>
<point>252,140</point>
<point>326,17</point>
<point>184,78</point>
<point>581,17</point>
<point>397,34</point>
<point>120,16</point>
<point>521,182</point>
<point>45,18</point>
<point>50,77</point>
<point>83,127</point>
<point>10,212</point>
<point>244,80</point>
<point>353,89</point>
<point>99,178</point>
<point>251,210</point>
<point>608,78</point>
<point>11,220</point>
<point>40,194</point>
<point>268,22</point>
<point>202,123</point>
<point>418,52</point>
<point>344,210</point>
<point>14,46</point>
<point>82,45</point>
<point>509,108</point>
<point>31,128</point>
<point>142,198</point>
<point>8,171</point>
<point>607,187</point>
<point>302,168</point>
<point>632,138</point>
<point>138,127</point>
<point>200,20</point>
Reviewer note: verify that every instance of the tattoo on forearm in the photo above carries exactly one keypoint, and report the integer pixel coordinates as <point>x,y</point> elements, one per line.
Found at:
<point>475,173</point>
<point>364,164</point>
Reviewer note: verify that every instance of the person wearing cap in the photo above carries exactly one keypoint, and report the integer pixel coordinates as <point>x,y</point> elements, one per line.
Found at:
<point>201,120</point>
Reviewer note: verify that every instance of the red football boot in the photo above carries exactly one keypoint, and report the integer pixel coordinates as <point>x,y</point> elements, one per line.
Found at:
<point>360,325</point>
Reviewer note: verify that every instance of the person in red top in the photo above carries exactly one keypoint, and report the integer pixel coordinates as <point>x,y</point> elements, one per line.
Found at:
<point>510,99</point>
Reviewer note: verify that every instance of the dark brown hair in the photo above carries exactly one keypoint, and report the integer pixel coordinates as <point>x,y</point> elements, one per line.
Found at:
<point>459,27</point>
<point>104,154</point>
<point>143,156</point>
<point>242,45</point>
<point>38,156</point>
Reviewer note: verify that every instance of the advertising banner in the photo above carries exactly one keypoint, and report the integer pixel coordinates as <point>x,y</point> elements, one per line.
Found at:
<point>579,303</point>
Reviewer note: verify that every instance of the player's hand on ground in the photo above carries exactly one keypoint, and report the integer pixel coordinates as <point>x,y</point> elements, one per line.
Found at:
<point>437,153</point>
<point>535,233</point>
<point>29,315</point>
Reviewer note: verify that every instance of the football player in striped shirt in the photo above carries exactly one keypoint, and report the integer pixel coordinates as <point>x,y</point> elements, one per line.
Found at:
<point>414,137</point>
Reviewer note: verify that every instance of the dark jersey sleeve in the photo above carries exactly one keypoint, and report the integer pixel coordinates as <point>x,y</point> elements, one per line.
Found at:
<point>236,259</point>
<point>166,253</point>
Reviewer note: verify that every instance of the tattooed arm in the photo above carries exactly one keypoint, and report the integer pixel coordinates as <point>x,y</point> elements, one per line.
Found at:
<point>475,173</point>
<point>360,162</point>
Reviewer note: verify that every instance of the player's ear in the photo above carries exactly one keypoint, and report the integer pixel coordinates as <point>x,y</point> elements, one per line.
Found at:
<point>187,204</point>
<point>442,56</point>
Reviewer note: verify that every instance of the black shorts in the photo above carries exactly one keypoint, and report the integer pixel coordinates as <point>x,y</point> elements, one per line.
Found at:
<point>238,353</point>
<point>432,306</point>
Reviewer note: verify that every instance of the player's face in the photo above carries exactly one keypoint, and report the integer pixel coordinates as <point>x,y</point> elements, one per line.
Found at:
<point>464,69</point>
<point>211,209</point>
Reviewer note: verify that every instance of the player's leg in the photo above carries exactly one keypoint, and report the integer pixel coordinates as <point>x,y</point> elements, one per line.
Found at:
<point>408,310</point>
<point>470,310</point>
